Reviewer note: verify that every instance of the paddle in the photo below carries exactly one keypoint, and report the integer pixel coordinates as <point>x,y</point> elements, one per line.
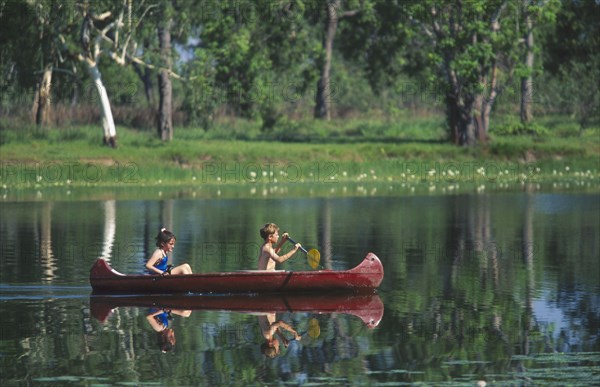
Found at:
<point>314,330</point>
<point>312,256</point>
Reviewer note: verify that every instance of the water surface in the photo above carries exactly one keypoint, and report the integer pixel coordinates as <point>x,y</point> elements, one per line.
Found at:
<point>497,287</point>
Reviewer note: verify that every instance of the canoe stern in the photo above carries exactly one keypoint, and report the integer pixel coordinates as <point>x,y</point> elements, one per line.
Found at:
<point>372,267</point>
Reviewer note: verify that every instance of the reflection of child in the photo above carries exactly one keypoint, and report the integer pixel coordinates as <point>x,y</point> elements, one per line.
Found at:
<point>269,328</point>
<point>159,321</point>
<point>268,257</point>
<point>157,264</point>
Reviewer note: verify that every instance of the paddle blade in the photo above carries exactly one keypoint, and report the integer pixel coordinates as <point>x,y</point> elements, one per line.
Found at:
<point>314,257</point>
<point>314,330</point>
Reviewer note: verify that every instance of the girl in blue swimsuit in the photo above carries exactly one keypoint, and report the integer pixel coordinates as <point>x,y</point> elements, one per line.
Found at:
<point>158,262</point>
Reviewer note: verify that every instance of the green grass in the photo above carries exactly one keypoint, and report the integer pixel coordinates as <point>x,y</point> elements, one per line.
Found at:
<point>406,151</point>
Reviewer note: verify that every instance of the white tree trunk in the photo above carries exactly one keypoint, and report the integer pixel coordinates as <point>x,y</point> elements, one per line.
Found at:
<point>42,100</point>
<point>108,123</point>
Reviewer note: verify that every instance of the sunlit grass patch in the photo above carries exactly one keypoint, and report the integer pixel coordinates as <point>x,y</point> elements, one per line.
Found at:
<point>408,153</point>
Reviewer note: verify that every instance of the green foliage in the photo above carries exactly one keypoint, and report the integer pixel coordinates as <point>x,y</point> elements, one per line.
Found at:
<point>516,128</point>
<point>259,60</point>
<point>572,63</point>
<point>19,58</point>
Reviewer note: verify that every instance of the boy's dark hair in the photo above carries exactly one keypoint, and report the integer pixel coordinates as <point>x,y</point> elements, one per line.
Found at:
<point>268,350</point>
<point>268,229</point>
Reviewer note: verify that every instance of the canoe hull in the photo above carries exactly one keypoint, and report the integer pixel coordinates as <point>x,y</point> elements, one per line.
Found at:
<point>365,277</point>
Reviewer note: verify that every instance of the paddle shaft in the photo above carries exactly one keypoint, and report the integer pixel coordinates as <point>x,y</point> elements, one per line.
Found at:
<point>313,256</point>
<point>294,242</point>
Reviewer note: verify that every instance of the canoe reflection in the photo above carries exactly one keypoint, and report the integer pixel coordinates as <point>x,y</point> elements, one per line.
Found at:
<point>369,308</point>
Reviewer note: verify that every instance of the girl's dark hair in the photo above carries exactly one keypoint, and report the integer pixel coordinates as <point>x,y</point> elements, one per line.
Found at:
<point>166,340</point>
<point>163,237</point>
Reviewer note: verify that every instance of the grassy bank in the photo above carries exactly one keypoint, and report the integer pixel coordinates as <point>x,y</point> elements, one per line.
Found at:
<point>409,152</point>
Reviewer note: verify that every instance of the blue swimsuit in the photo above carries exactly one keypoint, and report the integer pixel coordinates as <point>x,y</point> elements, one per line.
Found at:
<point>162,318</point>
<point>160,265</point>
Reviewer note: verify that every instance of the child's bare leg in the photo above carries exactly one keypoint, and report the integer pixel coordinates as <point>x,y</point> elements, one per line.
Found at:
<point>182,269</point>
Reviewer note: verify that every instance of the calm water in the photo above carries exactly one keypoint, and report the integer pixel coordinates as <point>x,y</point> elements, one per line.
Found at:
<point>502,288</point>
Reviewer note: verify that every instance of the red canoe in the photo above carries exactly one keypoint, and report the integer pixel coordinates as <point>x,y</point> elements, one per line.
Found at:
<point>367,307</point>
<point>364,277</point>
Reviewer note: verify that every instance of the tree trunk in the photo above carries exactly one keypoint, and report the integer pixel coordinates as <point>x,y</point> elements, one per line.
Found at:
<point>165,121</point>
<point>527,82</point>
<point>461,120</point>
<point>470,125</point>
<point>108,123</point>
<point>145,76</point>
<point>323,97</point>
<point>42,103</point>
<point>452,118</point>
<point>487,102</point>
<point>478,118</point>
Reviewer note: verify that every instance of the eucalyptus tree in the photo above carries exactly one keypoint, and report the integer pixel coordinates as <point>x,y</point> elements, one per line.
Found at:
<point>468,50</point>
<point>107,28</point>
<point>471,45</point>
<point>111,29</point>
